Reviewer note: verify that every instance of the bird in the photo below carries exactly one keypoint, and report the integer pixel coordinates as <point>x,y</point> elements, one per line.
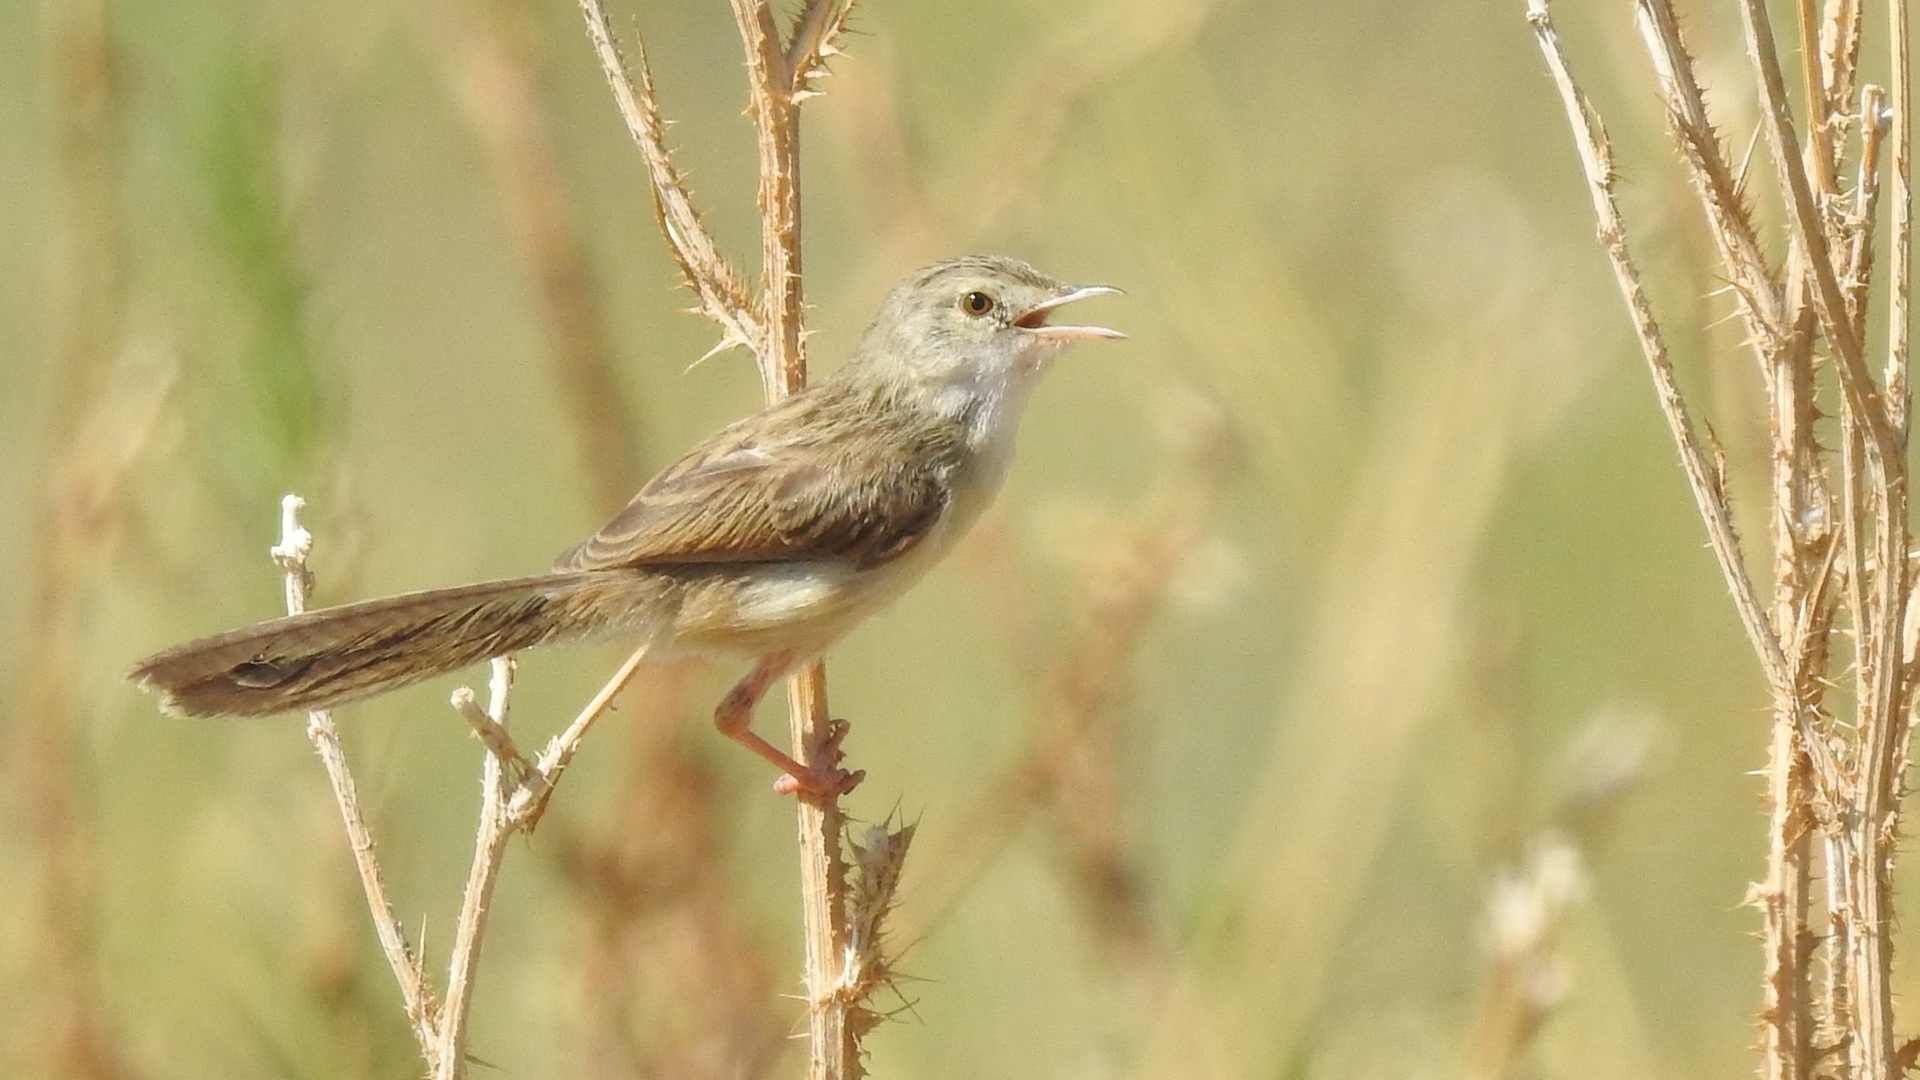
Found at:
<point>768,541</point>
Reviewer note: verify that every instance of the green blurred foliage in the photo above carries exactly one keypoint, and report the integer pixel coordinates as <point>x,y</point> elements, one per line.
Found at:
<point>1455,541</point>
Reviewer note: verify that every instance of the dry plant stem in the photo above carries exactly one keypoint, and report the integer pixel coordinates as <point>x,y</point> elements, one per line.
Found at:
<point>497,825</point>
<point>722,296</point>
<point>1866,204</point>
<point>776,120</point>
<point>291,555</point>
<point>1856,809</point>
<point>530,801</point>
<point>1901,243</point>
<point>1789,1025</point>
<point>1810,235</point>
<point>1880,564</point>
<point>775,85</point>
<point>1819,145</point>
<point>778,77</point>
<point>1703,475</point>
<point>1715,183</point>
<point>1803,555</point>
<point>513,797</point>
<point>1839,54</point>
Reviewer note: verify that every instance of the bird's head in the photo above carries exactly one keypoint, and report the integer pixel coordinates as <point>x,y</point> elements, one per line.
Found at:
<point>979,323</point>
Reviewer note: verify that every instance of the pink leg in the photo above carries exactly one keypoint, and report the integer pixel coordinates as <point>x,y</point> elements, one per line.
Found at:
<point>734,718</point>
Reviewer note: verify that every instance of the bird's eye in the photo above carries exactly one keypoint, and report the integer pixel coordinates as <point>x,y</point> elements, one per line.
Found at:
<point>976,303</point>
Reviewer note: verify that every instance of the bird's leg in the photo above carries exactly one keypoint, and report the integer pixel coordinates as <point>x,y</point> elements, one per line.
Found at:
<point>734,718</point>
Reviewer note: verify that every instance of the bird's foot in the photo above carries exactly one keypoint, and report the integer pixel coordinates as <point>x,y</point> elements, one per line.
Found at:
<point>824,778</point>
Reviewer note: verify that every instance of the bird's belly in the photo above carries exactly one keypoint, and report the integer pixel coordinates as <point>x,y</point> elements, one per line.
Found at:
<point>761,609</point>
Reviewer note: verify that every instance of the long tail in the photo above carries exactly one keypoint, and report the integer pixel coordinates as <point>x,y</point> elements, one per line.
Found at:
<point>340,654</point>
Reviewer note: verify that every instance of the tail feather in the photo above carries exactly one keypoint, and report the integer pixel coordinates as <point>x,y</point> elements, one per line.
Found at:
<point>340,654</point>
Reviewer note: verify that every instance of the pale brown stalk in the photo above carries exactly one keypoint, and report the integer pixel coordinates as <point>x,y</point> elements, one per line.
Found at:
<point>723,298</point>
<point>1839,55</point>
<point>1804,544</point>
<point>1809,232</point>
<point>497,826</point>
<point>1866,204</point>
<point>296,543</point>
<point>1835,785</point>
<point>780,75</point>
<point>514,794</point>
<point>1525,915</point>
<point>1900,268</point>
<point>1703,474</point>
<point>1715,182</point>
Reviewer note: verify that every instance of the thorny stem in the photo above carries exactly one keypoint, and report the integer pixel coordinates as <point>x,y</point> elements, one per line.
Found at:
<point>778,75</point>
<point>722,297</point>
<point>834,1043</point>
<point>1844,779</point>
<point>1808,231</point>
<point>776,116</point>
<point>1703,477</point>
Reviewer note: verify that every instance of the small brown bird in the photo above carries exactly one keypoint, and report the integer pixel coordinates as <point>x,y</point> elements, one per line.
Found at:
<point>769,540</point>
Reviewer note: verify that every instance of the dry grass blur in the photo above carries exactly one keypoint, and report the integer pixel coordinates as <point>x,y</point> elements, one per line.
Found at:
<point>1247,741</point>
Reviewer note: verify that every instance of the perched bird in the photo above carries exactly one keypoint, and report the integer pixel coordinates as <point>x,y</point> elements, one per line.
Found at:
<point>769,540</point>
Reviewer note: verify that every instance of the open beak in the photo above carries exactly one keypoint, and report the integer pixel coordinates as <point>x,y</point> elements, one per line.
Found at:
<point>1034,320</point>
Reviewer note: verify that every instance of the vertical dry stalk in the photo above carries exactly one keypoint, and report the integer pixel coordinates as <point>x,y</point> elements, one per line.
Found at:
<point>780,74</point>
<point>1526,910</point>
<point>1834,786</point>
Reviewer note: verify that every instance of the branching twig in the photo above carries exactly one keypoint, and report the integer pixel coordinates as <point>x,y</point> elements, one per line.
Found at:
<point>514,794</point>
<point>422,1011</point>
<point>1841,779</point>
<point>1809,232</point>
<point>1702,476</point>
<point>1728,216</point>
<point>722,296</point>
<point>497,825</point>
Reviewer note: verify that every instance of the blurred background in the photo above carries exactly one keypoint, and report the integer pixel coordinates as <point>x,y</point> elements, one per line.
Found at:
<point>1341,688</point>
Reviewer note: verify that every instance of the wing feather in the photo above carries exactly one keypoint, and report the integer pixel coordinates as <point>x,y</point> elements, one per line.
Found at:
<point>821,475</point>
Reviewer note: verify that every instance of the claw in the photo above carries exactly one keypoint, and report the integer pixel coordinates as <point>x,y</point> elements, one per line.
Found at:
<point>820,783</point>
<point>824,779</point>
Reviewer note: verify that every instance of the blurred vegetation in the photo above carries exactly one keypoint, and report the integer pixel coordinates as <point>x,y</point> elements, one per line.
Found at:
<point>1452,599</point>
